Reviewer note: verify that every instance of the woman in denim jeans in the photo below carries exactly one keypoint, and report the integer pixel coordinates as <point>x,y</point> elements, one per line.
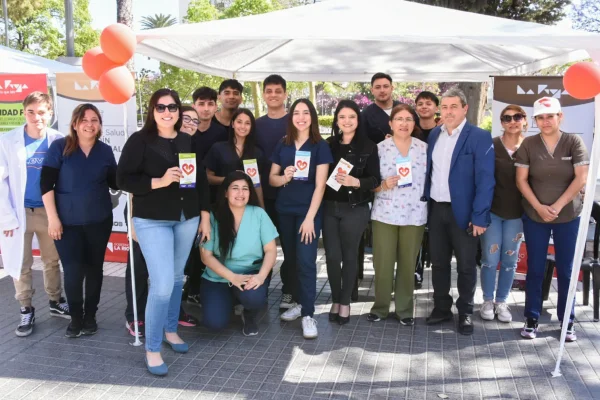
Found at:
<point>501,241</point>
<point>165,216</point>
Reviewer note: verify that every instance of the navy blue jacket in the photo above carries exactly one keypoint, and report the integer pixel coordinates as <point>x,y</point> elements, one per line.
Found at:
<point>471,178</point>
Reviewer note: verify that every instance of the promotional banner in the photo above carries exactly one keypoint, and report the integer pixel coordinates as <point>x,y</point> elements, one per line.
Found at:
<point>13,90</point>
<point>73,89</point>
<point>523,91</point>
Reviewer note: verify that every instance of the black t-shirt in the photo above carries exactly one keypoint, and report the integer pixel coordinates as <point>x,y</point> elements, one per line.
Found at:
<point>269,132</point>
<point>205,140</point>
<point>425,134</point>
<point>216,121</point>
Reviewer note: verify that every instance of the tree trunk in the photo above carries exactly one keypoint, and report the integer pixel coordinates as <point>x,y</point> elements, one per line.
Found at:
<point>476,93</point>
<point>312,90</point>
<point>125,16</point>
<point>255,93</point>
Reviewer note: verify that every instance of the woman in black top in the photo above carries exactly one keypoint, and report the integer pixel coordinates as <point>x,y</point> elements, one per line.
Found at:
<point>347,210</point>
<point>165,216</point>
<point>226,157</point>
<point>76,175</point>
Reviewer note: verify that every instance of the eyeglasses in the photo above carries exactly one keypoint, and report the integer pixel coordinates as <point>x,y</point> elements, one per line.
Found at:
<point>162,107</point>
<point>407,120</point>
<point>189,120</point>
<point>507,118</point>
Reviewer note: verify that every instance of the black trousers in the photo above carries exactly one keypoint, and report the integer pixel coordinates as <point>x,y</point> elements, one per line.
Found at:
<point>287,272</point>
<point>81,250</point>
<point>141,284</point>
<point>194,269</point>
<point>445,237</point>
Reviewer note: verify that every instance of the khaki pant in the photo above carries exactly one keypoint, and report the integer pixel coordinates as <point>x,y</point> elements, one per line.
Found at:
<point>36,221</point>
<point>395,246</point>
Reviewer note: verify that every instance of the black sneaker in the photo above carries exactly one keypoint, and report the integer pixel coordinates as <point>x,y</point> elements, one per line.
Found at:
<point>74,329</point>
<point>373,318</point>
<point>194,299</point>
<point>90,326</point>
<point>250,328</point>
<point>60,308</point>
<point>407,321</point>
<point>418,281</point>
<point>25,327</point>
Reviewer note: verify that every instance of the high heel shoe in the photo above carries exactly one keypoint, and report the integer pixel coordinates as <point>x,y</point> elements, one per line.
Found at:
<point>333,317</point>
<point>344,320</point>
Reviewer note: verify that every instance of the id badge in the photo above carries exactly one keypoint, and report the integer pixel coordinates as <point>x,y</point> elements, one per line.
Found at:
<point>251,169</point>
<point>404,170</point>
<point>187,164</point>
<point>302,164</point>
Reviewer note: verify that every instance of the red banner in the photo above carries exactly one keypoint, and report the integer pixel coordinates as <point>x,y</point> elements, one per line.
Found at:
<point>117,248</point>
<point>13,90</point>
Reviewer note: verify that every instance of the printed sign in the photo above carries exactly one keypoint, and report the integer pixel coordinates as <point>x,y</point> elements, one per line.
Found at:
<point>404,171</point>
<point>302,164</point>
<point>342,167</point>
<point>187,164</point>
<point>251,169</point>
<point>13,90</point>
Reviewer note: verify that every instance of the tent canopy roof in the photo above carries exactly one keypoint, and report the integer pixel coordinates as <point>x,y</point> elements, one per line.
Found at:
<point>350,40</point>
<point>17,62</point>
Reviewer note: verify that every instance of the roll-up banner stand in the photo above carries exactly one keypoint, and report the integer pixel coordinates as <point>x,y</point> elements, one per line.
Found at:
<point>73,89</point>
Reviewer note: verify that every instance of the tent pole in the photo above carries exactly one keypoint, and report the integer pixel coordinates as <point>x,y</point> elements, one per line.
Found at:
<point>137,341</point>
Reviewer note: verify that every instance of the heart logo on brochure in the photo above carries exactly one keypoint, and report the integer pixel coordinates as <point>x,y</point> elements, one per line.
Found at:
<point>188,168</point>
<point>302,165</point>
<point>403,171</point>
<point>341,170</point>
<point>251,171</point>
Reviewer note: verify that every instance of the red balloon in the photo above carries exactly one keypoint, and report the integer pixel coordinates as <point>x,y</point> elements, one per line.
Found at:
<point>582,80</point>
<point>95,63</point>
<point>117,85</point>
<point>118,43</point>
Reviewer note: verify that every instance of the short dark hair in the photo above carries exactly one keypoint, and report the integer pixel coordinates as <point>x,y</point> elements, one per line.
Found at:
<point>274,80</point>
<point>231,84</point>
<point>188,108</point>
<point>380,75</point>
<point>427,96</point>
<point>204,93</point>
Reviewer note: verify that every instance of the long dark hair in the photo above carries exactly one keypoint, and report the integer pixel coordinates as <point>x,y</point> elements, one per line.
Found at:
<point>250,142</point>
<point>335,129</point>
<point>72,141</point>
<point>223,214</point>
<point>417,133</point>
<point>150,127</point>
<point>292,133</point>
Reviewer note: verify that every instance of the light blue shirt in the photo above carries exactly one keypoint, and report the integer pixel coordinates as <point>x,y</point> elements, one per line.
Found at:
<point>256,230</point>
<point>36,151</point>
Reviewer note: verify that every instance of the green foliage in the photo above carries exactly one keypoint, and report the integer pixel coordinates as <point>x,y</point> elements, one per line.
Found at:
<point>326,120</point>
<point>19,10</point>
<point>157,21</point>
<point>242,8</point>
<point>486,123</point>
<point>200,11</point>
<point>38,28</point>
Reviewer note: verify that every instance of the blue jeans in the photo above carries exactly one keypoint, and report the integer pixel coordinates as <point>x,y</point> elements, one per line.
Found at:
<point>537,238</point>
<point>166,246</point>
<point>304,269</point>
<point>500,244</point>
<point>217,301</point>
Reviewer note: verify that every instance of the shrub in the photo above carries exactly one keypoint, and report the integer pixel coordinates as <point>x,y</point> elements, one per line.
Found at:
<point>326,120</point>
<point>487,123</point>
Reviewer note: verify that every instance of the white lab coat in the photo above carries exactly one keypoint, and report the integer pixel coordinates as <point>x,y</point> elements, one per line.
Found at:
<point>13,179</point>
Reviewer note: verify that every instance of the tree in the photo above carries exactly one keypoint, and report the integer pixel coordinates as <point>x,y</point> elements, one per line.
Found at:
<point>125,16</point>
<point>158,21</point>
<point>586,16</point>
<point>540,11</point>
<point>37,27</point>
<point>200,11</point>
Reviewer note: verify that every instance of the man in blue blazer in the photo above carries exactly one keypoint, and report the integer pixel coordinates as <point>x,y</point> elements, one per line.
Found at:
<point>459,187</point>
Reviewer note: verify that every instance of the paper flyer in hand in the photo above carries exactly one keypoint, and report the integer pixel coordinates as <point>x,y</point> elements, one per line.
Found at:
<point>302,164</point>
<point>251,169</point>
<point>187,164</point>
<point>342,167</point>
<point>404,170</point>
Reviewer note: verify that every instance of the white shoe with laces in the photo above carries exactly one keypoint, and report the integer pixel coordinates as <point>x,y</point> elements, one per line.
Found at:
<point>487,310</point>
<point>292,314</point>
<point>309,327</point>
<point>503,312</point>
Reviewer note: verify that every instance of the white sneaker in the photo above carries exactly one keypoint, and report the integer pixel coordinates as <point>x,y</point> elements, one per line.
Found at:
<point>238,309</point>
<point>503,312</point>
<point>292,314</point>
<point>287,302</point>
<point>309,327</point>
<point>487,310</point>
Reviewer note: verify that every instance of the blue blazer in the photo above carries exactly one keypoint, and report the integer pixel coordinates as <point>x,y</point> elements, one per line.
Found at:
<point>471,178</point>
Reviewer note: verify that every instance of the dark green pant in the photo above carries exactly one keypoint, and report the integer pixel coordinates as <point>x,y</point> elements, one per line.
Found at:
<point>393,245</point>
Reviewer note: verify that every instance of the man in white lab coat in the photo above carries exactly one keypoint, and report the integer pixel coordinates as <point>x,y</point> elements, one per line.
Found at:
<point>22,212</point>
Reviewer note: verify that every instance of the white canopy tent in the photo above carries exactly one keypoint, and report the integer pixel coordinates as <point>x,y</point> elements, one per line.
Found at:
<point>17,62</point>
<point>350,40</point>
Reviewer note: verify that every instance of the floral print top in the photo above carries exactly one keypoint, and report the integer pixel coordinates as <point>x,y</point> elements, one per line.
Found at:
<point>402,206</point>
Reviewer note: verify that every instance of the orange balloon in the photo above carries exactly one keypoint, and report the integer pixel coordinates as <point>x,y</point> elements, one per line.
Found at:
<point>582,80</point>
<point>117,85</point>
<point>95,63</point>
<point>118,43</point>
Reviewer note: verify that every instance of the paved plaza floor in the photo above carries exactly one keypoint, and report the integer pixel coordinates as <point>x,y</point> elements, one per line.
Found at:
<point>360,360</point>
